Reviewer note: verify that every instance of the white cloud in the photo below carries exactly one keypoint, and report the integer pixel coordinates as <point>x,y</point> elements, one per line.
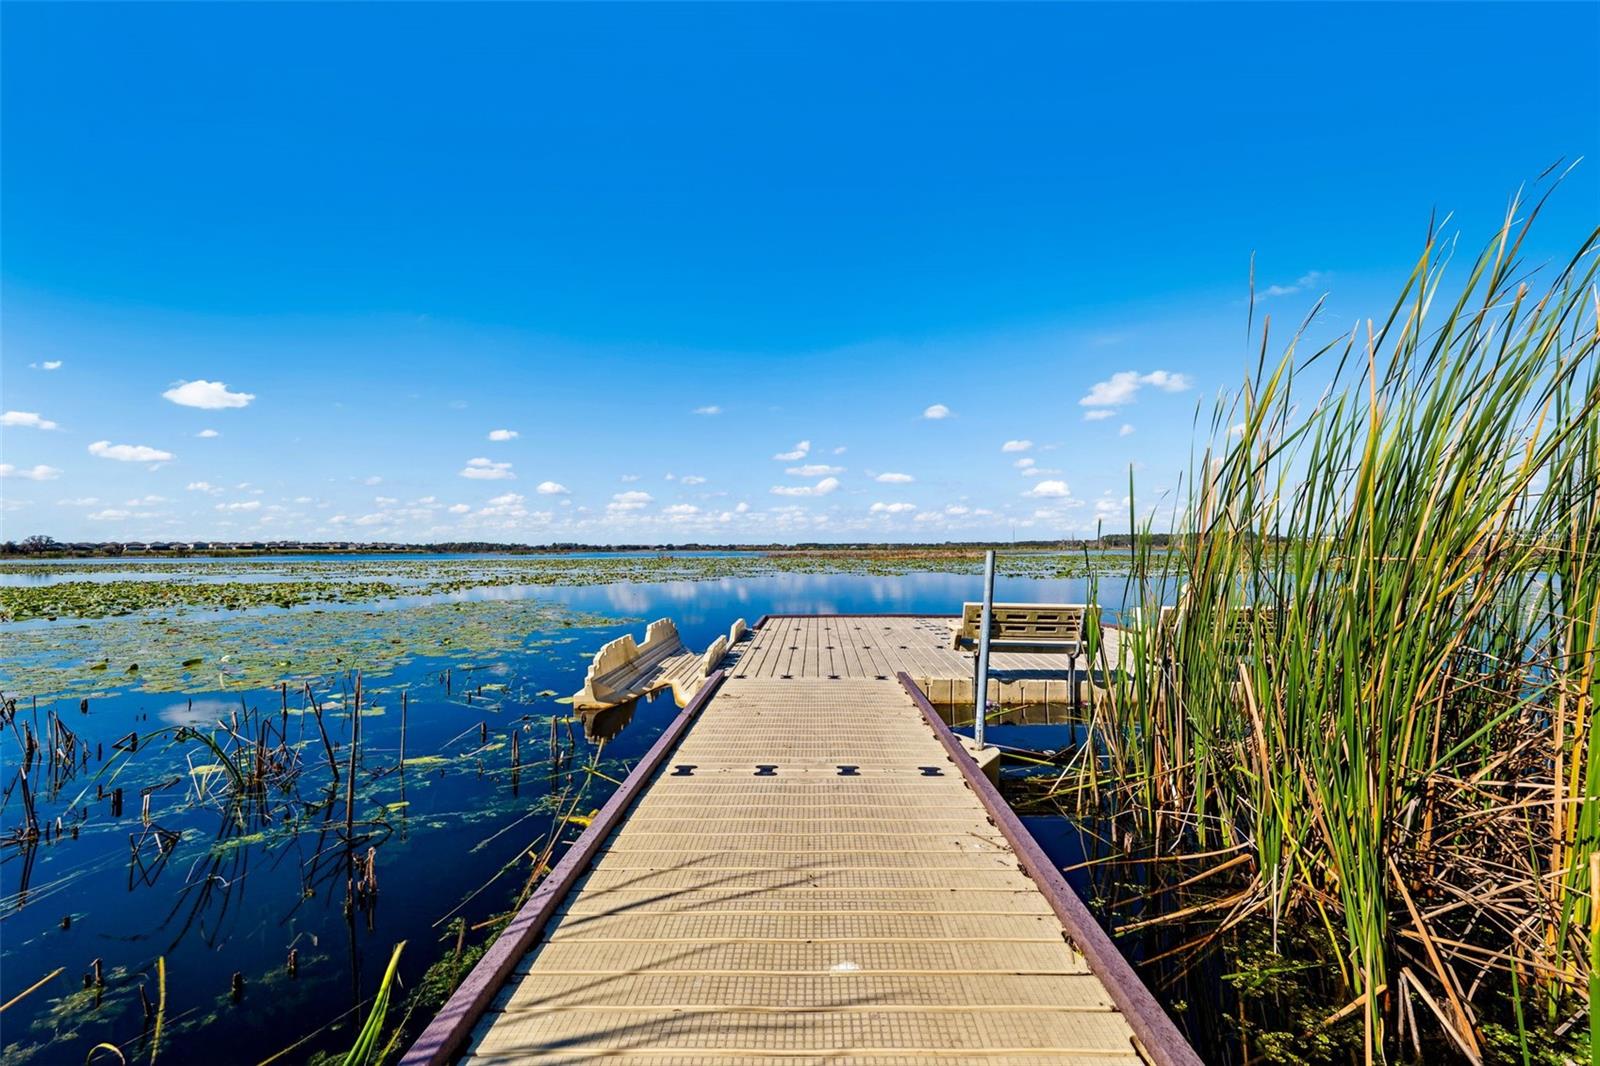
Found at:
<point>30,473</point>
<point>243,505</point>
<point>957,510</point>
<point>840,450</point>
<point>1167,381</point>
<point>629,501</point>
<point>207,434</point>
<point>203,486</point>
<point>1125,430</point>
<point>48,364</point>
<point>129,453</point>
<point>936,411</point>
<point>821,488</point>
<point>29,419</point>
<point>147,501</point>
<point>1023,464</point>
<point>1016,446</point>
<point>373,480</point>
<point>681,510</point>
<point>211,395</point>
<point>506,505</point>
<point>1236,430</point>
<point>627,478</point>
<point>691,479</point>
<point>892,478</point>
<point>503,434</point>
<point>797,454</point>
<point>1052,489</point>
<point>1099,414</point>
<point>1120,388</point>
<point>741,508</point>
<point>552,488</point>
<point>892,508</point>
<point>1123,386</point>
<point>110,514</point>
<point>81,501</point>
<point>481,469</point>
<point>812,470</point>
<point>708,409</point>
<point>1303,282</point>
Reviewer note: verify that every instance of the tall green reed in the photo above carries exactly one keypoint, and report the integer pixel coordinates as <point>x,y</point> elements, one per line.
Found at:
<point>1379,682</point>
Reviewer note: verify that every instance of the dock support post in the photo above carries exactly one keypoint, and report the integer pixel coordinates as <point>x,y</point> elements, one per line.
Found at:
<point>980,692</point>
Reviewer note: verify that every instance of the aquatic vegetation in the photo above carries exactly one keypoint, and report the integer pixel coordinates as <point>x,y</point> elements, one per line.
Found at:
<point>179,654</point>
<point>99,599</point>
<point>367,1040</point>
<point>1378,694</point>
<point>242,795</point>
<point>269,583</point>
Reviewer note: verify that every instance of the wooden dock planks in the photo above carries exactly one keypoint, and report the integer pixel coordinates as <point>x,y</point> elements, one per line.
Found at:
<point>807,876</point>
<point>863,941</point>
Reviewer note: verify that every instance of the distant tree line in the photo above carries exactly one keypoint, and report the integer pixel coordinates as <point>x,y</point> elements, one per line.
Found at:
<point>42,545</point>
<point>38,544</point>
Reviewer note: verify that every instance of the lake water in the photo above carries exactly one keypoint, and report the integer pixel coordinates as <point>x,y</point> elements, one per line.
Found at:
<point>185,875</point>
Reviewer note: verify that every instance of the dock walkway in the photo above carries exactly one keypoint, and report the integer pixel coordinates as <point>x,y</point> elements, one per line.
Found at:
<point>807,868</point>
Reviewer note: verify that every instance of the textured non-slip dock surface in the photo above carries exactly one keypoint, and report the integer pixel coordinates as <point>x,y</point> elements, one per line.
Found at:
<point>871,647</point>
<point>808,879</point>
<point>876,647</point>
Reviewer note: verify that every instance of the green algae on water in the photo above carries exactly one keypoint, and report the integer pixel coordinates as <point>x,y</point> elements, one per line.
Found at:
<point>253,652</point>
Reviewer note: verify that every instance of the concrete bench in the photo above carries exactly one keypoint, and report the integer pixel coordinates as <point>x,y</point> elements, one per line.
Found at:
<point>624,669</point>
<point>1034,625</point>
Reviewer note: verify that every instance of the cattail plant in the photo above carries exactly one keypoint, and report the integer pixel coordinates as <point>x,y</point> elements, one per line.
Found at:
<point>1368,663</point>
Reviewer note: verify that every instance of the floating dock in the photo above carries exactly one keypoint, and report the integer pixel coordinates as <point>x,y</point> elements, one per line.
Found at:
<point>808,867</point>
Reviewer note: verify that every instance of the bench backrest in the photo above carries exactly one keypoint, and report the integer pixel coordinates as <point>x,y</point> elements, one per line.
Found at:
<point>1239,629</point>
<point>1040,623</point>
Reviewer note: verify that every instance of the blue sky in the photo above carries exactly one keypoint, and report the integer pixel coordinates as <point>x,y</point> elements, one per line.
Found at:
<point>280,271</point>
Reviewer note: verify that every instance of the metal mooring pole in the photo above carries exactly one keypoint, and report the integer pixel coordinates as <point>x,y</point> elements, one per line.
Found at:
<point>980,693</point>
